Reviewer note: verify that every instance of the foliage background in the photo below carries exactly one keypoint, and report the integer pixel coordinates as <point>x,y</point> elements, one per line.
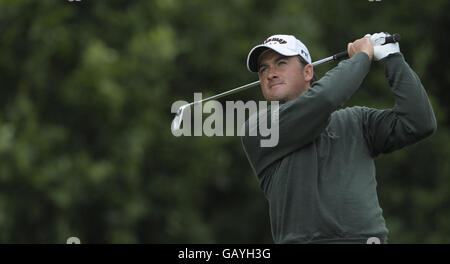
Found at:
<point>85,99</point>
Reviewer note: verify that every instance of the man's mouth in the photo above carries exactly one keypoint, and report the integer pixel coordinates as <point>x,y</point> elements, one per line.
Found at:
<point>274,85</point>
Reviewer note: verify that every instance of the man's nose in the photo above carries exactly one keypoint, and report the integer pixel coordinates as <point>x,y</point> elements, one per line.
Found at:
<point>272,73</point>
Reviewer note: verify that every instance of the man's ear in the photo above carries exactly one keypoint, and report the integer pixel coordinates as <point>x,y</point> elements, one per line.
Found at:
<point>308,72</point>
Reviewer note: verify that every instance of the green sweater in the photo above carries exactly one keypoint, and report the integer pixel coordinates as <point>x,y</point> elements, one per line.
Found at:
<point>319,179</point>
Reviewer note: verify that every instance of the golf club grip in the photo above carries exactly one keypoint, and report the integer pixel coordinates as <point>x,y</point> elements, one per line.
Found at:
<point>340,55</point>
<point>392,39</point>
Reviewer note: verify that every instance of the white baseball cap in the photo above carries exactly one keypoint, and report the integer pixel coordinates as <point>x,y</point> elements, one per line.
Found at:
<point>286,45</point>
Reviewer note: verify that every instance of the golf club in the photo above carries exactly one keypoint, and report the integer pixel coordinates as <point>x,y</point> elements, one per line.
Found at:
<point>176,123</point>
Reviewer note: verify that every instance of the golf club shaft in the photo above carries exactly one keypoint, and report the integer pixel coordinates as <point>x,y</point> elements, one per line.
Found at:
<point>232,91</point>
<point>255,83</point>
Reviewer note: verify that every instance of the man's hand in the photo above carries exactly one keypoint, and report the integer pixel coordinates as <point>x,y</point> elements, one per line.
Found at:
<point>362,44</point>
<point>382,51</point>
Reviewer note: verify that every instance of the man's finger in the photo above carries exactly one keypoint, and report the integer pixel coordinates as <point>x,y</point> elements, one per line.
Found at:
<point>349,49</point>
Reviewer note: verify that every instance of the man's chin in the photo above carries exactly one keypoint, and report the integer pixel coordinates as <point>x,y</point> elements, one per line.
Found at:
<point>279,100</point>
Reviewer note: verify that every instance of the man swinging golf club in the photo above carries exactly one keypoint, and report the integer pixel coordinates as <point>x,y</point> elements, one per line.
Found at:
<point>319,179</point>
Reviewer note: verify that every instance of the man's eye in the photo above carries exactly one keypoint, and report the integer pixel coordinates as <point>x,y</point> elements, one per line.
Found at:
<point>262,69</point>
<point>282,62</point>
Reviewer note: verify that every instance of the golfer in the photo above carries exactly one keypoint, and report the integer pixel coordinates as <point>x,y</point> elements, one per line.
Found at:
<point>319,179</point>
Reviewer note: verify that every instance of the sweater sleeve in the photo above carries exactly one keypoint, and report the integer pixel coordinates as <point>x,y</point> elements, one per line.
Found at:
<point>301,120</point>
<point>410,120</point>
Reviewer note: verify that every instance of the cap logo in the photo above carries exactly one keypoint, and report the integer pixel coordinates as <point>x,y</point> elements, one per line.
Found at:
<point>279,40</point>
<point>304,53</point>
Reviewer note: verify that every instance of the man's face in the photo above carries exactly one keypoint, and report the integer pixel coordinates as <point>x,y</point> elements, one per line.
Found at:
<point>282,78</point>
